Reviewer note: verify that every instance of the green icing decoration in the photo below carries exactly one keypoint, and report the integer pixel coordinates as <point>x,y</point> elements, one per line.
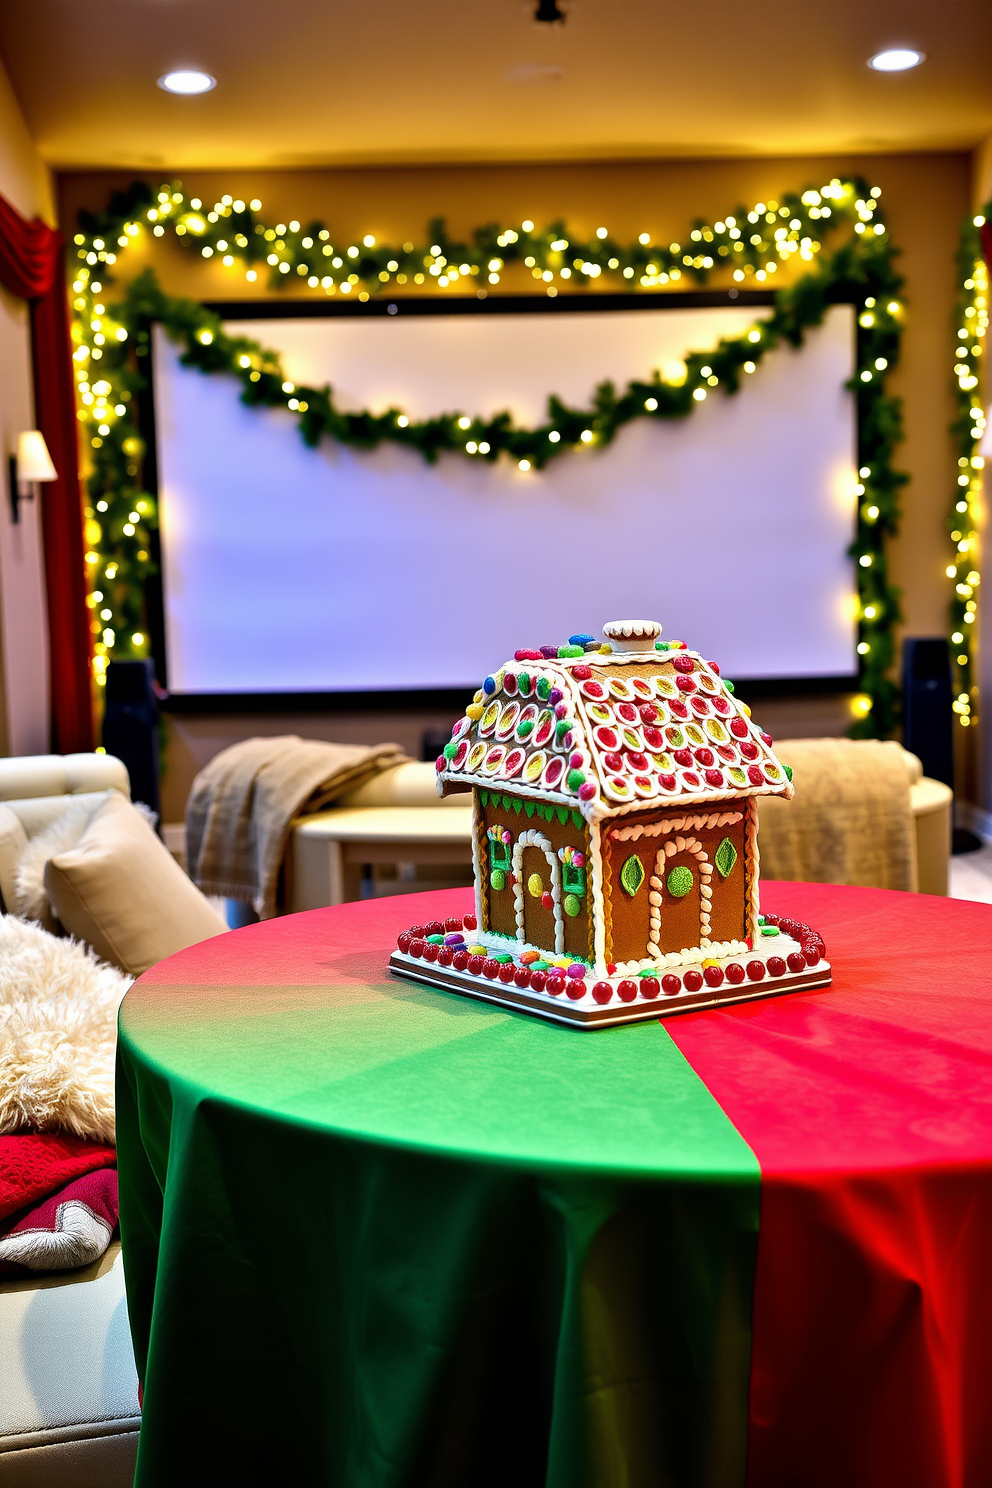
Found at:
<point>504,959</point>
<point>788,771</point>
<point>659,646</point>
<point>562,727</point>
<point>577,820</point>
<point>507,803</point>
<point>769,929</point>
<point>649,971</point>
<point>523,683</point>
<point>572,905</point>
<point>450,749</point>
<point>568,651</point>
<point>562,814</point>
<point>575,779</point>
<point>497,879</point>
<point>543,688</point>
<point>540,965</point>
<point>632,875</point>
<point>436,939</point>
<point>517,805</point>
<point>525,729</point>
<point>530,807</point>
<point>729,686</point>
<point>484,797</point>
<point>679,881</point>
<point>725,857</point>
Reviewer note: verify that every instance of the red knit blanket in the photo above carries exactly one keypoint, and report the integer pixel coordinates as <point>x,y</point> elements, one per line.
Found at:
<point>58,1202</point>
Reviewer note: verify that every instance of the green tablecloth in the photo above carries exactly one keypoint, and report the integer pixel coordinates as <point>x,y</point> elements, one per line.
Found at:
<point>377,1236</point>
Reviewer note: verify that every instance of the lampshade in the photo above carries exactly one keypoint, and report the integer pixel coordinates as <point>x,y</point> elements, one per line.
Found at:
<point>34,463</point>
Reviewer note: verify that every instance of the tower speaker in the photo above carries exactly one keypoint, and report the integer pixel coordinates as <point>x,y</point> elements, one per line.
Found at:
<point>130,726</point>
<point>928,720</point>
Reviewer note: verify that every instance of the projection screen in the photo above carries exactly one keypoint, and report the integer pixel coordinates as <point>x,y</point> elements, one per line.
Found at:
<point>287,569</point>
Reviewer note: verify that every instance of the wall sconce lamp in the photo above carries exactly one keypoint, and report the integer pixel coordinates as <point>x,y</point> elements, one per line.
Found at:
<point>31,465</point>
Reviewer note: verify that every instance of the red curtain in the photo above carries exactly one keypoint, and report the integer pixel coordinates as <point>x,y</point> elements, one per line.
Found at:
<point>32,266</point>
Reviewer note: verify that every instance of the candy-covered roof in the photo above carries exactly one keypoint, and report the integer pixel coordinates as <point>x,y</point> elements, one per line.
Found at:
<point>609,728</point>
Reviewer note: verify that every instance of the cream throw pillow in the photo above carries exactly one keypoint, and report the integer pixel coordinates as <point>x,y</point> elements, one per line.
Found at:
<point>13,841</point>
<point>121,891</point>
<point>30,899</point>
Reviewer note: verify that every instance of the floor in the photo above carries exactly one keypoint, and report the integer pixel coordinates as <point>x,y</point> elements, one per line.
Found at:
<point>971,876</point>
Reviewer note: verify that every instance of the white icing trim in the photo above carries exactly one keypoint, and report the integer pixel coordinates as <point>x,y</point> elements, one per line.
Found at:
<point>498,942</point>
<point>752,858</point>
<point>657,886</point>
<point>682,803</point>
<point>480,854</point>
<point>531,838</point>
<point>692,956</point>
<point>675,824</point>
<point>597,899</point>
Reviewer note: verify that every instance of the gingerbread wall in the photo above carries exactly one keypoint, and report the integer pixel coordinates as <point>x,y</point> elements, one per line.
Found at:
<point>628,908</point>
<point>516,815</point>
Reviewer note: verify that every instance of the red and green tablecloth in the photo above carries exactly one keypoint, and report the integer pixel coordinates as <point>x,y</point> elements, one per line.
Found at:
<point>378,1236</point>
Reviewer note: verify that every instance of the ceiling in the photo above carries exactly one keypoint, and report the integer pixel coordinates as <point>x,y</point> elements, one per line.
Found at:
<point>318,82</point>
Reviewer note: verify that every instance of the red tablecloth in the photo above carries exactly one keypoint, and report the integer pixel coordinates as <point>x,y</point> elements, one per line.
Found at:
<point>869,1107</point>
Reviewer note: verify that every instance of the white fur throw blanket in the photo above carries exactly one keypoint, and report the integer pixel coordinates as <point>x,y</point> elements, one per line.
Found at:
<point>58,1034</point>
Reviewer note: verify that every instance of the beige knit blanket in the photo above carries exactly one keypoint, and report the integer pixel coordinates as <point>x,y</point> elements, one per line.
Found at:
<point>243,804</point>
<point>850,821</point>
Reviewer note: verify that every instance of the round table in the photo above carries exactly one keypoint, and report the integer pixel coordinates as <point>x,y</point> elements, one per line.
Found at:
<point>380,1235</point>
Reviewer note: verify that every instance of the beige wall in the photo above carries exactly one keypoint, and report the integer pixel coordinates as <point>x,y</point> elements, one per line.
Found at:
<point>24,729</point>
<point>924,196</point>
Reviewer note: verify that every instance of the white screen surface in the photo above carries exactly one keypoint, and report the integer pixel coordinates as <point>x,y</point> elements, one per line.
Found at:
<point>290,569</point>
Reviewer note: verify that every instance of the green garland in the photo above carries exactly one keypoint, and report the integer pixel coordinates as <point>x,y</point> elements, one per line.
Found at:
<point>113,340</point>
<point>967,429</point>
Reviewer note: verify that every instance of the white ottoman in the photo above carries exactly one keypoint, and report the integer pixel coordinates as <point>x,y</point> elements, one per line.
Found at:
<point>68,1390</point>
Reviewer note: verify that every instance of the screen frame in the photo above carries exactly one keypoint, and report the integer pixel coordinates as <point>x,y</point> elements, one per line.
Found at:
<point>413,699</point>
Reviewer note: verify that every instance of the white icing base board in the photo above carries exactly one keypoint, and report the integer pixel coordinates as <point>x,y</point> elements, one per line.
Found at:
<point>586,1013</point>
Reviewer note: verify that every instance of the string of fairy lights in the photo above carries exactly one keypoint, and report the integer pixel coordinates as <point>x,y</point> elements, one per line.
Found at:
<point>968,430</point>
<point>810,249</point>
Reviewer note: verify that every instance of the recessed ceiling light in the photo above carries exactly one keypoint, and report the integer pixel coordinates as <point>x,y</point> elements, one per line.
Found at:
<point>896,59</point>
<point>187,81</point>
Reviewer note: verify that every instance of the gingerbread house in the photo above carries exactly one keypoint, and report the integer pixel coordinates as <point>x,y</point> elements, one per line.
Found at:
<point>616,862</point>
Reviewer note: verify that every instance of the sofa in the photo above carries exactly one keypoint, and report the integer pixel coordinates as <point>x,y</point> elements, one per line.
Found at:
<point>69,1411</point>
<point>398,818</point>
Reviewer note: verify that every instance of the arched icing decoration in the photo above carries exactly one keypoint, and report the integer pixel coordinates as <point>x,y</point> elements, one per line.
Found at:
<point>530,838</point>
<point>678,845</point>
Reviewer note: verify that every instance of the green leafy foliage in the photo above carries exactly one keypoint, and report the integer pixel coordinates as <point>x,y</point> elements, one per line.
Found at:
<point>965,517</point>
